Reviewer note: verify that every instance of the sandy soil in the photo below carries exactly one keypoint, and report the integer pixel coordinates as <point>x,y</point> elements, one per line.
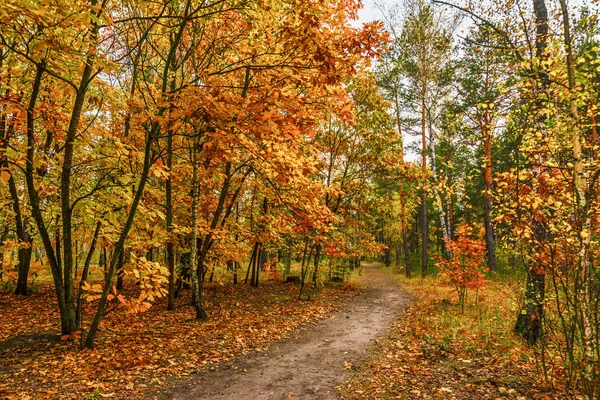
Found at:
<point>311,363</point>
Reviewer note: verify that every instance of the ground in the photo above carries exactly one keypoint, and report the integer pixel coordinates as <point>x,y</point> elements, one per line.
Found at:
<point>315,360</point>
<point>434,350</point>
<point>136,354</point>
<point>385,341</point>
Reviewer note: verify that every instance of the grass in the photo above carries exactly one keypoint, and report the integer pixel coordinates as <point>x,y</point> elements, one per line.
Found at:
<point>435,351</point>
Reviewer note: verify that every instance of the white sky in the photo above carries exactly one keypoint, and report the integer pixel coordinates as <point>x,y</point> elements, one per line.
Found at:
<point>370,12</point>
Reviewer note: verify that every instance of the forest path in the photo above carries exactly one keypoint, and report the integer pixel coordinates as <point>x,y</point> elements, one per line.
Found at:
<point>316,359</point>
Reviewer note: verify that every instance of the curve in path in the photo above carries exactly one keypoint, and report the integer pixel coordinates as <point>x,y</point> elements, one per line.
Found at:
<point>315,360</point>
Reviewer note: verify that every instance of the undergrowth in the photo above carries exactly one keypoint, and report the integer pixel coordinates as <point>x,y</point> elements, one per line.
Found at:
<point>435,351</point>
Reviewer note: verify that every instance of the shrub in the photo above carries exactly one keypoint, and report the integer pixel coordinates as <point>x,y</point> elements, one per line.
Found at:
<point>466,264</point>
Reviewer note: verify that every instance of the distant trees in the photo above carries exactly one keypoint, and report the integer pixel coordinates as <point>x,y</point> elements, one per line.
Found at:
<point>482,73</point>
<point>425,44</point>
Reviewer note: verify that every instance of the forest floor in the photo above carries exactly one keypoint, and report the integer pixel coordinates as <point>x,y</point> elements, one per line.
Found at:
<point>315,360</point>
<point>393,339</point>
<point>136,355</point>
<point>436,351</point>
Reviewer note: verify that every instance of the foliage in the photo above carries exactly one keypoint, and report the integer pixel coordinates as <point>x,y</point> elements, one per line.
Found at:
<point>108,108</point>
<point>465,267</point>
<point>149,146</point>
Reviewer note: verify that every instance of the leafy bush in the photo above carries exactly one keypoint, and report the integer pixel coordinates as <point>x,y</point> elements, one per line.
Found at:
<point>466,264</point>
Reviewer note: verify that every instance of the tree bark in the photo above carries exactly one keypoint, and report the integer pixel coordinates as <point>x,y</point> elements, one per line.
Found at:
<point>529,320</point>
<point>169,218</point>
<point>402,193</point>
<point>3,237</point>
<point>251,266</point>
<point>316,264</point>
<point>148,161</point>
<point>490,240</point>
<point>65,184</point>
<point>67,318</point>
<point>84,275</point>
<point>196,288</point>
<point>588,293</point>
<point>25,241</point>
<point>424,225</point>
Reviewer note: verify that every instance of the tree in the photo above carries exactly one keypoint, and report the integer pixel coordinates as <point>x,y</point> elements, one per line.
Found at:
<point>360,157</point>
<point>390,78</point>
<point>482,87</point>
<point>465,266</point>
<point>529,321</point>
<point>425,43</point>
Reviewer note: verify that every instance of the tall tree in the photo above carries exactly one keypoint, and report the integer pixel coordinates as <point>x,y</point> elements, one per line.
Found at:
<point>425,43</point>
<point>390,78</point>
<point>530,319</point>
<point>482,75</point>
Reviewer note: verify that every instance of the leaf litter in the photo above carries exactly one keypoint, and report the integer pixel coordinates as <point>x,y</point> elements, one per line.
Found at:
<point>136,353</point>
<point>432,351</point>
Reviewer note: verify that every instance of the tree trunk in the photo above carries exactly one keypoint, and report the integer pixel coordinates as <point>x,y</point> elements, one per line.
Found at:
<point>304,268</point>
<point>402,191</point>
<point>169,218</point>
<point>232,266</point>
<point>84,275</point>
<point>23,273</point>
<point>121,270</point>
<point>152,135</point>
<point>256,266</point>
<point>424,232</point>
<point>406,253</point>
<point>288,258</point>
<point>490,240</point>
<point>102,261</point>
<point>65,184</point>
<point>25,241</point>
<point>529,321</point>
<point>67,315</point>
<point>250,270</point>
<point>584,193</point>
<point>195,272</point>
<point>424,225</point>
<point>2,239</point>
<point>316,264</point>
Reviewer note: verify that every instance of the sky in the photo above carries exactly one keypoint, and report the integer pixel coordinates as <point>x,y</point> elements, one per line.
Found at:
<point>370,12</point>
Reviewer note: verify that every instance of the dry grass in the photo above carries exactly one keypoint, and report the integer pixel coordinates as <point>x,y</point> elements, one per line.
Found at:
<point>434,351</point>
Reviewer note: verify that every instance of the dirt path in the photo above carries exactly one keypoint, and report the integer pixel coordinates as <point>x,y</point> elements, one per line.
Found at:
<point>312,362</point>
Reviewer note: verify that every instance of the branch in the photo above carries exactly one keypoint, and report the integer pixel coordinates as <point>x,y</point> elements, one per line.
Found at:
<point>476,17</point>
